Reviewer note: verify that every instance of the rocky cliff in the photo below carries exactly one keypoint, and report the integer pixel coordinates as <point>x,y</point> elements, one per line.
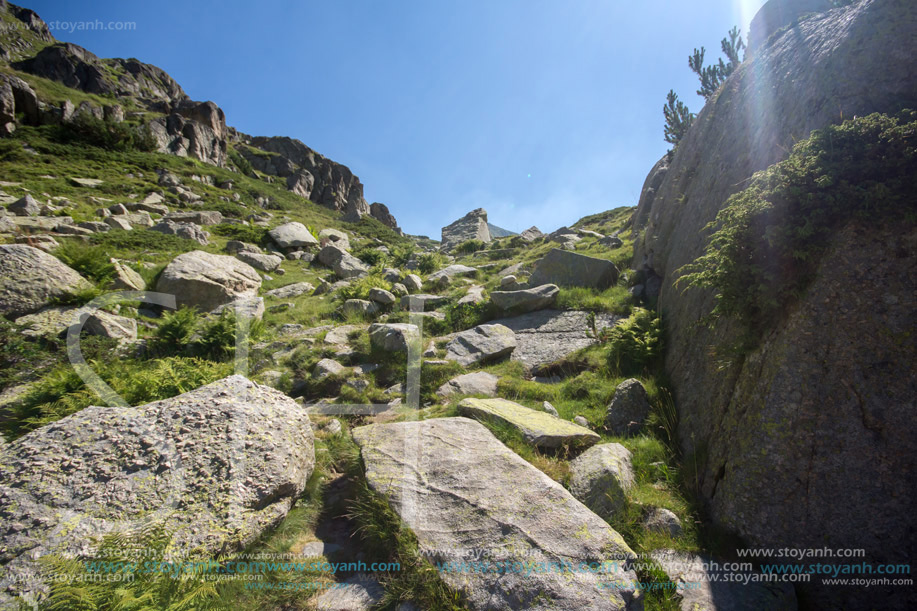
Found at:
<point>808,441</point>
<point>179,125</point>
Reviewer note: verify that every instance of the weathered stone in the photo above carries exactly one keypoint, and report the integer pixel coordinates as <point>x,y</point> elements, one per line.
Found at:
<point>565,268</point>
<point>526,300</point>
<point>476,383</point>
<point>531,234</point>
<point>118,222</point>
<point>661,520</point>
<point>126,279</point>
<point>291,290</point>
<point>704,584</point>
<point>361,592</point>
<point>424,301</point>
<point>46,243</point>
<point>549,335</point>
<point>538,428</point>
<point>413,283</point>
<point>472,226</point>
<point>381,213</point>
<point>611,242</point>
<point>333,236</point>
<point>483,343</point>
<point>601,476</point>
<point>93,226</point>
<point>452,271</point>
<point>266,263</point>
<point>550,409</point>
<point>206,281</point>
<point>381,296</point>
<point>236,246</point>
<point>25,206</point>
<point>198,217</point>
<point>292,236</point>
<point>327,367</point>
<point>393,337</point>
<point>475,294</point>
<point>111,325</point>
<point>113,469</point>
<point>342,262</point>
<point>189,231</point>
<point>338,335</point>
<point>629,408</point>
<point>49,322</point>
<point>580,420</point>
<point>399,290</point>
<point>30,279</point>
<point>458,488</point>
<point>118,209</point>
<point>359,306</point>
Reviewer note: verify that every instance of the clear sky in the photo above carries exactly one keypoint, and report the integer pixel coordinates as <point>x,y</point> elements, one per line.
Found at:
<point>540,111</point>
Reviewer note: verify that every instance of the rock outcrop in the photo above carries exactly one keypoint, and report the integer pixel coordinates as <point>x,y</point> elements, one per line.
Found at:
<point>458,488</point>
<point>217,465</point>
<point>31,278</point>
<point>809,440</point>
<point>472,226</point>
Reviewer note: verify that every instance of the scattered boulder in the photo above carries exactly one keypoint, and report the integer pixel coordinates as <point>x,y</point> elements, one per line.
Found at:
<point>189,231</point>
<point>580,420</point>
<point>266,263</point>
<point>30,279</point>
<point>424,300</point>
<point>333,236</point>
<point>139,219</point>
<point>126,279</point>
<point>393,337</point>
<point>338,336</point>
<point>399,290</point>
<point>472,226</point>
<point>526,300</point>
<point>118,209</point>
<point>86,182</point>
<point>458,488</point>
<point>292,236</point>
<point>452,271</point>
<point>342,262</point>
<point>550,409</point>
<point>538,428</point>
<point>359,306</point>
<point>661,520</point>
<point>475,294</point>
<point>381,296</point>
<point>25,206</point>
<point>476,383</point>
<point>481,344</point>
<point>93,226</point>
<point>291,290</point>
<point>198,217</point>
<point>629,408</point>
<point>601,476</point>
<point>46,243</point>
<point>206,281</point>
<point>118,222</point>
<point>413,282</point>
<point>705,584</point>
<point>236,246</point>
<point>113,469</point>
<point>327,367</point>
<point>531,234</point>
<point>110,325</point>
<point>150,208</point>
<point>565,268</point>
<point>48,322</point>
<point>611,242</point>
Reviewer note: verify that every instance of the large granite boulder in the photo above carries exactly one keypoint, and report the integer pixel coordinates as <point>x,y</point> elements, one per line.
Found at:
<point>472,226</point>
<point>344,264</point>
<point>475,383</point>
<point>483,343</point>
<point>292,236</point>
<point>206,281</point>
<point>526,300</point>
<point>393,337</point>
<point>565,268</point>
<point>809,440</point>
<point>601,476</point>
<point>459,489</point>
<point>540,429</point>
<point>264,262</point>
<point>30,279</point>
<point>218,465</point>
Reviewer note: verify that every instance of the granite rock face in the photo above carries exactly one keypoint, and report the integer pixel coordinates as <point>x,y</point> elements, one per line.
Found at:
<point>810,439</point>
<point>218,464</point>
<point>472,226</point>
<point>548,335</point>
<point>459,489</point>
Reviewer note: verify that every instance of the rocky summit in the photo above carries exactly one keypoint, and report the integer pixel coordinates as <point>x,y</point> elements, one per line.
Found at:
<point>222,367</point>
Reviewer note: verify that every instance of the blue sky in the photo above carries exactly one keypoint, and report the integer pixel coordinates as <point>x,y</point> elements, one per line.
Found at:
<point>540,111</point>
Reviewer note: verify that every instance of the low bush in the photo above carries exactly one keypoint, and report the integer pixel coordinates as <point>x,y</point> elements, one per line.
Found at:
<point>470,246</point>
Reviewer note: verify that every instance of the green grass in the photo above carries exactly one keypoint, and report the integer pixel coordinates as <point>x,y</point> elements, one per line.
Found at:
<point>614,300</point>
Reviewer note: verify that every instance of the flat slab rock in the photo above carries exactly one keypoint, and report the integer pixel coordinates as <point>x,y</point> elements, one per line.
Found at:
<point>549,335</point>
<point>217,465</point>
<point>467,497</point>
<point>704,594</point>
<point>538,428</point>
